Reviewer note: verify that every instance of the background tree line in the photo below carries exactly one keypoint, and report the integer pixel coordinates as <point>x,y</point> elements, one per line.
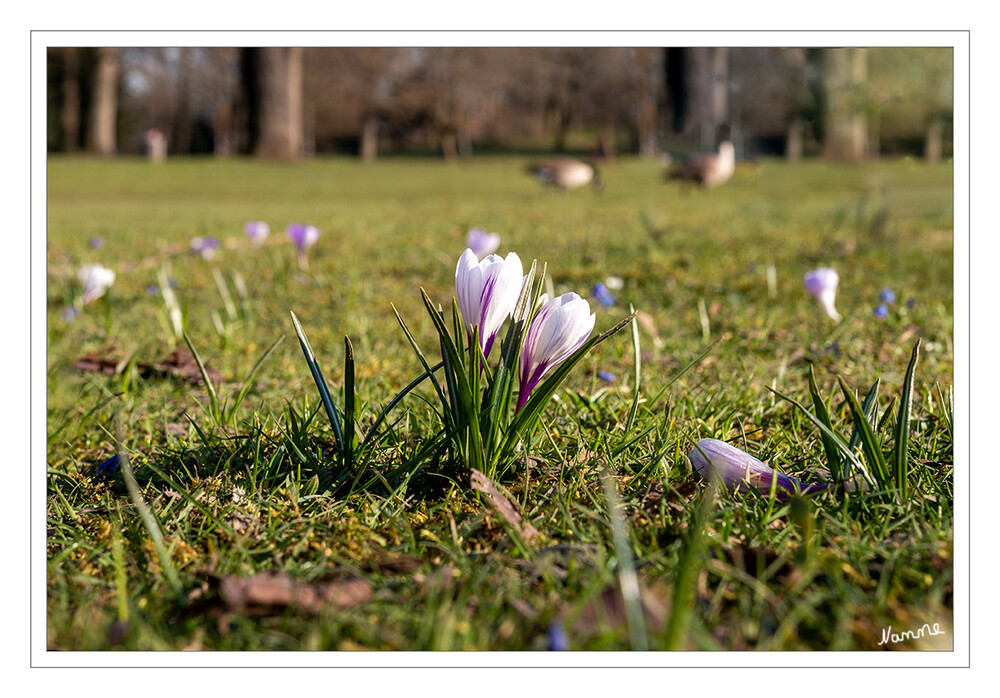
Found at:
<point>290,102</point>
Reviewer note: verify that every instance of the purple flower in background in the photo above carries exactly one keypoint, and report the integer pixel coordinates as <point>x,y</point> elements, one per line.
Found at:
<point>487,292</point>
<point>304,237</point>
<point>152,290</point>
<point>96,281</point>
<point>606,376</point>
<point>205,247</point>
<point>822,283</point>
<point>481,242</point>
<point>910,302</point>
<point>109,467</point>
<point>560,328</point>
<point>70,313</point>
<point>257,231</point>
<point>603,295</point>
<point>738,469</point>
<point>558,642</point>
<point>96,243</point>
<point>887,295</point>
<point>882,311</point>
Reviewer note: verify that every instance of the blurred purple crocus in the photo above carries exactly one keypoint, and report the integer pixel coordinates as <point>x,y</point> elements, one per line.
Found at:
<point>603,295</point>
<point>304,237</point>
<point>606,376</point>
<point>887,295</point>
<point>822,283</point>
<point>257,231</point>
<point>204,247</point>
<point>109,467</point>
<point>96,243</point>
<point>557,639</point>
<point>559,329</point>
<point>487,292</point>
<point>481,242</point>
<point>882,311</point>
<point>69,313</point>
<point>738,469</point>
<point>96,281</point>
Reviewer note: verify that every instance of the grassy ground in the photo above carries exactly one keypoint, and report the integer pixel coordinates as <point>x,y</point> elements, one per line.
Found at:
<point>419,560</point>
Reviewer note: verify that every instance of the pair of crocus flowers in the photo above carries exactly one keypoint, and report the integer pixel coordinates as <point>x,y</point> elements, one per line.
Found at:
<point>487,293</point>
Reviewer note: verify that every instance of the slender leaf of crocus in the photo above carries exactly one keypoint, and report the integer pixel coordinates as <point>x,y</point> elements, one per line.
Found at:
<point>465,400</point>
<point>348,401</point>
<point>370,436</point>
<point>212,395</point>
<point>869,441</point>
<point>839,470</point>
<point>423,362</point>
<point>901,449</point>
<point>501,388</point>
<point>637,374</point>
<point>540,396</point>
<point>245,386</point>
<point>869,409</point>
<point>324,391</point>
<point>836,437</point>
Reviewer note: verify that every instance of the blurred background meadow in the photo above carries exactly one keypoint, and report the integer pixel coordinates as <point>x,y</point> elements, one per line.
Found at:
<point>241,529</point>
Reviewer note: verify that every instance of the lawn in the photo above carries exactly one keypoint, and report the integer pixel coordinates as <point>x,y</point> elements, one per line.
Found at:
<point>246,529</point>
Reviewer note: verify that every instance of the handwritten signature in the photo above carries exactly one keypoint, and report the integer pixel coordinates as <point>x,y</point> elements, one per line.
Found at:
<point>925,629</point>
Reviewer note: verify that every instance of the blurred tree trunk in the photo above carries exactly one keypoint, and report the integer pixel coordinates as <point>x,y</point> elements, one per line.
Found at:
<point>278,107</point>
<point>104,104</point>
<point>69,114</point>
<point>369,138</point>
<point>698,88</point>
<point>845,131</point>
<point>794,138</point>
<point>934,139</point>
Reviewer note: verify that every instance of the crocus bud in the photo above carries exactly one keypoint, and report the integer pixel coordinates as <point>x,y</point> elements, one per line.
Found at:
<point>487,292</point>
<point>256,231</point>
<point>96,281</point>
<point>481,242</point>
<point>737,469</point>
<point>822,283</point>
<point>304,237</point>
<point>559,329</point>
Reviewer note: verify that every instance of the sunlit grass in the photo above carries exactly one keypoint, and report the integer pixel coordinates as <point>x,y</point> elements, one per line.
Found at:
<point>261,493</point>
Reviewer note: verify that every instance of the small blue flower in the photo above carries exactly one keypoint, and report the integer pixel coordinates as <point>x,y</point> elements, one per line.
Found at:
<point>603,295</point>
<point>606,376</point>
<point>882,312</point>
<point>887,295</point>
<point>109,467</point>
<point>70,313</point>
<point>558,642</point>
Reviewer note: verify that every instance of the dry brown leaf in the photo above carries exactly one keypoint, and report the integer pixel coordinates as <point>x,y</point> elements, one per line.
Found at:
<point>272,592</point>
<point>503,506</point>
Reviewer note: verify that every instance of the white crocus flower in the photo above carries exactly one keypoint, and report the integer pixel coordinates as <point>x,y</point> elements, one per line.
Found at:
<point>96,280</point>
<point>822,283</point>
<point>487,292</point>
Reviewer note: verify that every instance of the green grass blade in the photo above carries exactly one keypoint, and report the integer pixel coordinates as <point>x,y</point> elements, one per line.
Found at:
<point>245,386</point>
<point>637,374</point>
<point>324,391</point>
<point>902,446</point>
<point>373,431</point>
<point>692,363</point>
<point>349,417</point>
<point>869,442</point>
<point>423,362</point>
<point>869,407</point>
<point>627,579</point>
<point>213,397</point>
<point>839,469</point>
<point>837,438</point>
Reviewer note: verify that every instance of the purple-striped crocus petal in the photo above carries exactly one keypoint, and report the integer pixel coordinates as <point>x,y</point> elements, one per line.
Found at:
<point>303,236</point>
<point>256,231</point>
<point>481,242</point>
<point>559,329</point>
<point>822,284</point>
<point>740,470</point>
<point>487,292</point>
<point>96,281</point>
